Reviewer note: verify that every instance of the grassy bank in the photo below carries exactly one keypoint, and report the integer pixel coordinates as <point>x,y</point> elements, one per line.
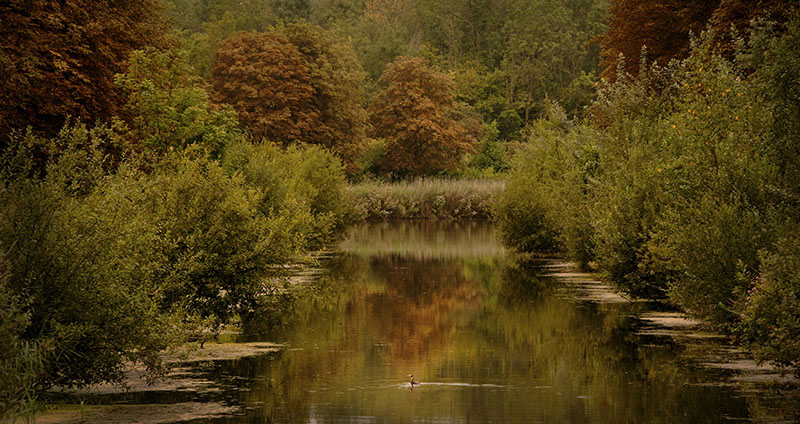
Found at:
<point>425,199</point>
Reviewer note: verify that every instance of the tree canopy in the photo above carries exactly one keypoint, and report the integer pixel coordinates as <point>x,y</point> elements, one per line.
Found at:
<point>411,114</point>
<point>264,77</point>
<point>58,59</point>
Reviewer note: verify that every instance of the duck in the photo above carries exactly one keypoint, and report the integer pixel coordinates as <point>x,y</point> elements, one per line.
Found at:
<point>411,381</point>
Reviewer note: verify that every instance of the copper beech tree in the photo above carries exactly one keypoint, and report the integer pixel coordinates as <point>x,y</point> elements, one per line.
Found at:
<point>264,78</point>
<point>664,27</point>
<point>59,58</point>
<point>411,114</point>
<point>301,84</point>
<point>338,82</point>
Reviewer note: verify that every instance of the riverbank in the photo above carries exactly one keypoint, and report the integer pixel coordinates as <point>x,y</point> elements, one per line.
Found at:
<point>425,199</point>
<point>532,338</point>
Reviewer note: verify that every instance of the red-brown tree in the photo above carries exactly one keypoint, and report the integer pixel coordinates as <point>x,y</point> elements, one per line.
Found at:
<point>338,81</point>
<point>664,27</point>
<point>59,58</point>
<point>264,77</point>
<point>411,114</point>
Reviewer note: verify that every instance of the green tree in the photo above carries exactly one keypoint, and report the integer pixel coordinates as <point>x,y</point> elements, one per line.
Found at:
<point>411,113</point>
<point>167,106</point>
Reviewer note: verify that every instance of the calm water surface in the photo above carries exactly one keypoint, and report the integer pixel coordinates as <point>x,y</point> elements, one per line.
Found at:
<point>493,338</point>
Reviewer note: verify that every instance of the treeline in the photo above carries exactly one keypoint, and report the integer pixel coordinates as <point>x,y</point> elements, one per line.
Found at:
<point>137,212</point>
<point>682,184</point>
<point>470,75</point>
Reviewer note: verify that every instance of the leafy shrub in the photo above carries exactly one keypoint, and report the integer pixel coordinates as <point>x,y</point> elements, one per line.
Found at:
<point>545,205</point>
<point>770,315</point>
<point>69,249</point>
<point>303,182</point>
<point>20,361</point>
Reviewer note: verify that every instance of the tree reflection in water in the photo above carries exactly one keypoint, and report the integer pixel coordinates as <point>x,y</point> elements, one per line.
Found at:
<point>495,338</point>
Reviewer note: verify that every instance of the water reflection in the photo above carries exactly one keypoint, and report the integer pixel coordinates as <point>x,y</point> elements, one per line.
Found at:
<point>492,337</point>
<point>488,335</point>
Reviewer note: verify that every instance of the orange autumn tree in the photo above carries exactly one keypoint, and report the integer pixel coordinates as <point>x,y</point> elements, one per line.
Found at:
<point>264,78</point>
<point>411,114</point>
<point>59,58</point>
<point>338,82</point>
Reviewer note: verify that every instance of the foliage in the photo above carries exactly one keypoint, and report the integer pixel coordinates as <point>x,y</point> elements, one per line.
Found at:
<point>542,60</point>
<point>678,186</point>
<point>543,207</point>
<point>162,252</point>
<point>59,58</point>
<point>661,27</point>
<point>168,107</point>
<point>212,247</point>
<point>302,186</point>
<point>485,91</point>
<point>68,249</point>
<point>411,115</point>
<point>771,53</point>
<point>20,361</point>
<point>664,27</point>
<point>338,83</point>
<point>264,77</point>
<point>425,199</point>
<point>770,314</point>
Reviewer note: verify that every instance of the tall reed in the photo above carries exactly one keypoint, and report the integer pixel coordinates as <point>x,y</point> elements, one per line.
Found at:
<point>425,199</point>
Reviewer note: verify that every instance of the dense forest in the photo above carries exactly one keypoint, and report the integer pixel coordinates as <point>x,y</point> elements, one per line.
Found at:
<point>162,162</point>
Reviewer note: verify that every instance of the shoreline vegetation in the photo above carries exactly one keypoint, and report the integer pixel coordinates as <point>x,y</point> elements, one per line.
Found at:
<point>425,198</point>
<point>680,186</point>
<point>152,184</point>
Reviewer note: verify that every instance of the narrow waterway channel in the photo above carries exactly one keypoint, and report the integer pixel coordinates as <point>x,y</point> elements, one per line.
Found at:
<point>491,337</point>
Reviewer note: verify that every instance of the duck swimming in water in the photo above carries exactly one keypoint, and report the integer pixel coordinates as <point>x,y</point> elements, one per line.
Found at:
<point>412,382</point>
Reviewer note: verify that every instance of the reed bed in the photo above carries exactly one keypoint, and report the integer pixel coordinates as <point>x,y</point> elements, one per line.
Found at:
<point>425,199</point>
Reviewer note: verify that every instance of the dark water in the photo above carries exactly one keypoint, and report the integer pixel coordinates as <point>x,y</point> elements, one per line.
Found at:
<point>492,338</point>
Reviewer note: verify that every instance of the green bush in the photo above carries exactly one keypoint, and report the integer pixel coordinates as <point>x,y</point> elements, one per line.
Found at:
<point>20,361</point>
<point>305,183</point>
<point>704,245</point>
<point>71,267</point>
<point>770,315</point>
<point>212,247</point>
<point>546,202</point>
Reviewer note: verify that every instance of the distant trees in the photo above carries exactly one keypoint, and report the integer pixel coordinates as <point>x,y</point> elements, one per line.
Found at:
<point>264,77</point>
<point>58,59</point>
<point>664,27</point>
<point>411,114</point>
<point>300,85</point>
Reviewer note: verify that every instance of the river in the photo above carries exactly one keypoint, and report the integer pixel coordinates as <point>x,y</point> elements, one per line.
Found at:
<point>491,338</point>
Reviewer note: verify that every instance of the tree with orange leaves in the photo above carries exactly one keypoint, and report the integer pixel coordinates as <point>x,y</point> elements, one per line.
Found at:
<point>59,58</point>
<point>411,114</point>
<point>264,78</point>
